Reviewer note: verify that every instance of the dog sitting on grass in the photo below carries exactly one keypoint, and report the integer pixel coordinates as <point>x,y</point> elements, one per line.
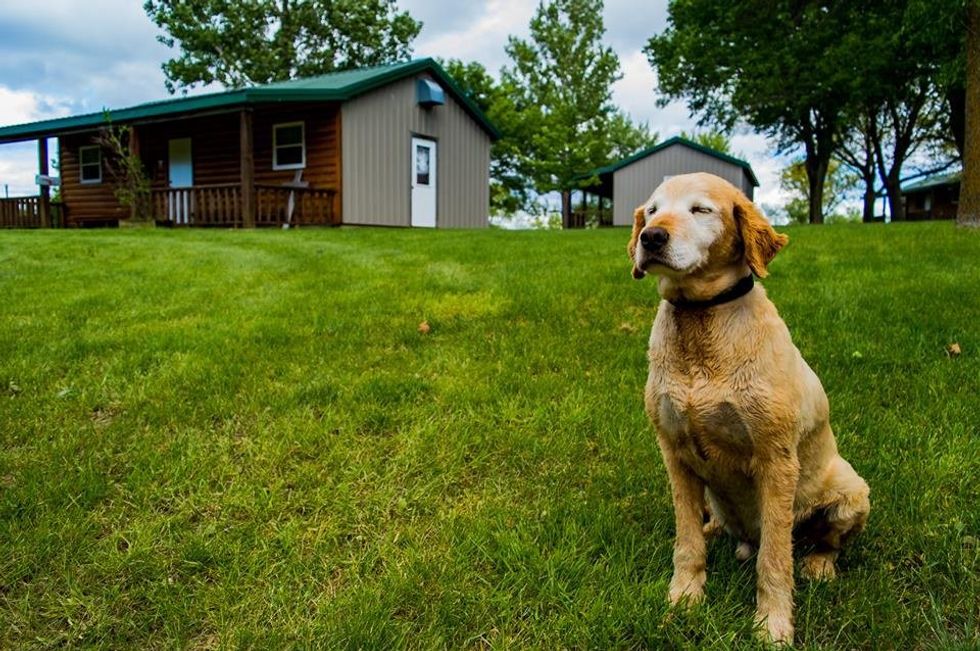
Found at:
<point>742,421</point>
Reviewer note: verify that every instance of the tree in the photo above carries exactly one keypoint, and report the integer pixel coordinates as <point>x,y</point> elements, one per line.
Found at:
<point>857,152</point>
<point>969,208</point>
<point>511,185</point>
<point>896,96</point>
<point>717,140</point>
<point>562,79</point>
<point>896,133</point>
<point>948,35</point>
<point>935,32</point>
<point>840,182</point>
<point>788,74</point>
<point>258,41</point>
<point>626,137</point>
<point>131,186</point>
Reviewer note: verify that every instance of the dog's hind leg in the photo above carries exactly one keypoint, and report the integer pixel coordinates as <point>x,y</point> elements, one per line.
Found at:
<point>842,515</point>
<point>712,525</point>
<point>719,520</point>
<point>744,551</point>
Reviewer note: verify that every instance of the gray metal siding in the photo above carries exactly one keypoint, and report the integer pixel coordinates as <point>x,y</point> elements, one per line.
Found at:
<point>376,150</point>
<point>633,184</point>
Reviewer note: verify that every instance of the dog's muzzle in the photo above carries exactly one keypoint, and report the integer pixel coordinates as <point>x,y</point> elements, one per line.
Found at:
<point>654,239</point>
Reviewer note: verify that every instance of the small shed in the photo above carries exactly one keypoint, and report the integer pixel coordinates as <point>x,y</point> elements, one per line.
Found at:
<point>629,182</point>
<point>934,197</point>
<point>393,145</point>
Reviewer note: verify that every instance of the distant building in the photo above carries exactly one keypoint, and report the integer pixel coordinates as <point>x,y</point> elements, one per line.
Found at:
<point>934,197</point>
<point>626,184</point>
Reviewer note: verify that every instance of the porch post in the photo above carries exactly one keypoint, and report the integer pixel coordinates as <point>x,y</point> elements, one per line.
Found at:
<point>248,168</point>
<point>44,205</point>
<point>134,151</point>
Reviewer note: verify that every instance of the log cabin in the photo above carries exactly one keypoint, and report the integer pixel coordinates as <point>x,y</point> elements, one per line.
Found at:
<point>393,145</point>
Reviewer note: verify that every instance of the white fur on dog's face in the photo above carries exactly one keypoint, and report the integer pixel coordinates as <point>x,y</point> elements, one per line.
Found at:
<point>684,207</point>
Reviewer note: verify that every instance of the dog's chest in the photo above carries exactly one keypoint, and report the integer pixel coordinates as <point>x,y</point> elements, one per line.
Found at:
<point>707,431</point>
<point>704,392</point>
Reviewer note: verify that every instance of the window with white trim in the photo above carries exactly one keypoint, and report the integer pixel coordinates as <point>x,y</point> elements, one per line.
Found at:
<point>288,146</point>
<point>90,164</point>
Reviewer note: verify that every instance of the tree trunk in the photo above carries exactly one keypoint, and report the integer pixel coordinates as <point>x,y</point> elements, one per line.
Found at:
<point>893,187</point>
<point>969,208</point>
<point>956,101</point>
<point>868,215</point>
<point>566,208</point>
<point>816,175</point>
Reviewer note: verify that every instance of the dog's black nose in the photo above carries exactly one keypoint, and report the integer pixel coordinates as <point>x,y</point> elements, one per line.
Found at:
<point>653,239</point>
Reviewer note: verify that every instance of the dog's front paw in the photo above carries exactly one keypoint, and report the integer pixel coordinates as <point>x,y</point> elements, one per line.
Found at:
<point>818,567</point>
<point>777,629</point>
<point>686,589</point>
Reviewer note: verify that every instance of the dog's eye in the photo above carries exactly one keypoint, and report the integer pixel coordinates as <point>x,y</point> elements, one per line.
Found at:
<point>700,209</point>
<point>651,210</point>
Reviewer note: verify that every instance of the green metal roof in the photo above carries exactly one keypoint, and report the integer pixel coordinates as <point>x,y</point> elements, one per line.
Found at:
<point>933,181</point>
<point>337,86</point>
<point>676,140</point>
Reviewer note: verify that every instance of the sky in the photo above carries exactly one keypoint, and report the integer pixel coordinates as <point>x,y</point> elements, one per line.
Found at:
<point>79,56</point>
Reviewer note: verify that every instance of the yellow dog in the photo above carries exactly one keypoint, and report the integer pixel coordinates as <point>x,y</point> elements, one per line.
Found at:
<point>742,421</point>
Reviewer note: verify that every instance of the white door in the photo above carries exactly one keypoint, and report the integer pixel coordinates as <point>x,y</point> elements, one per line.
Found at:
<point>181,176</point>
<point>424,182</point>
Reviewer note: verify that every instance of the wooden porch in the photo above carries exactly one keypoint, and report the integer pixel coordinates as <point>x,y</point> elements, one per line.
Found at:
<point>247,194</point>
<point>219,205</point>
<point>223,205</point>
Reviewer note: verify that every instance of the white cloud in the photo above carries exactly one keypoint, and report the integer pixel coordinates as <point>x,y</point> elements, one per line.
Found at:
<point>17,106</point>
<point>635,94</point>
<point>482,39</point>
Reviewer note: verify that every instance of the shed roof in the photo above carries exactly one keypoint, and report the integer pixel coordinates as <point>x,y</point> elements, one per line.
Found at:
<point>932,182</point>
<point>336,86</point>
<point>676,140</point>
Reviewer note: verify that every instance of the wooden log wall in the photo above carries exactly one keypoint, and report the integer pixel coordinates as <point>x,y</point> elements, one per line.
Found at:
<point>87,202</point>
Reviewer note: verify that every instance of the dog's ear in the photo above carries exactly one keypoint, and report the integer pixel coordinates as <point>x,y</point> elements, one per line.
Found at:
<point>760,240</point>
<point>639,223</point>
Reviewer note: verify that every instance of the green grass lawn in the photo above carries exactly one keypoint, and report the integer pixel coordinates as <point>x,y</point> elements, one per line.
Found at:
<point>241,439</point>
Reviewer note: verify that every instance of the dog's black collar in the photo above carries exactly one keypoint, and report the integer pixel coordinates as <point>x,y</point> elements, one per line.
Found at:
<point>738,290</point>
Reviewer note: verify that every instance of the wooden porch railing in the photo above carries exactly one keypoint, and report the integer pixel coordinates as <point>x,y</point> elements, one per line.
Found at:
<point>20,212</point>
<point>199,205</point>
<point>221,205</point>
<point>276,205</point>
